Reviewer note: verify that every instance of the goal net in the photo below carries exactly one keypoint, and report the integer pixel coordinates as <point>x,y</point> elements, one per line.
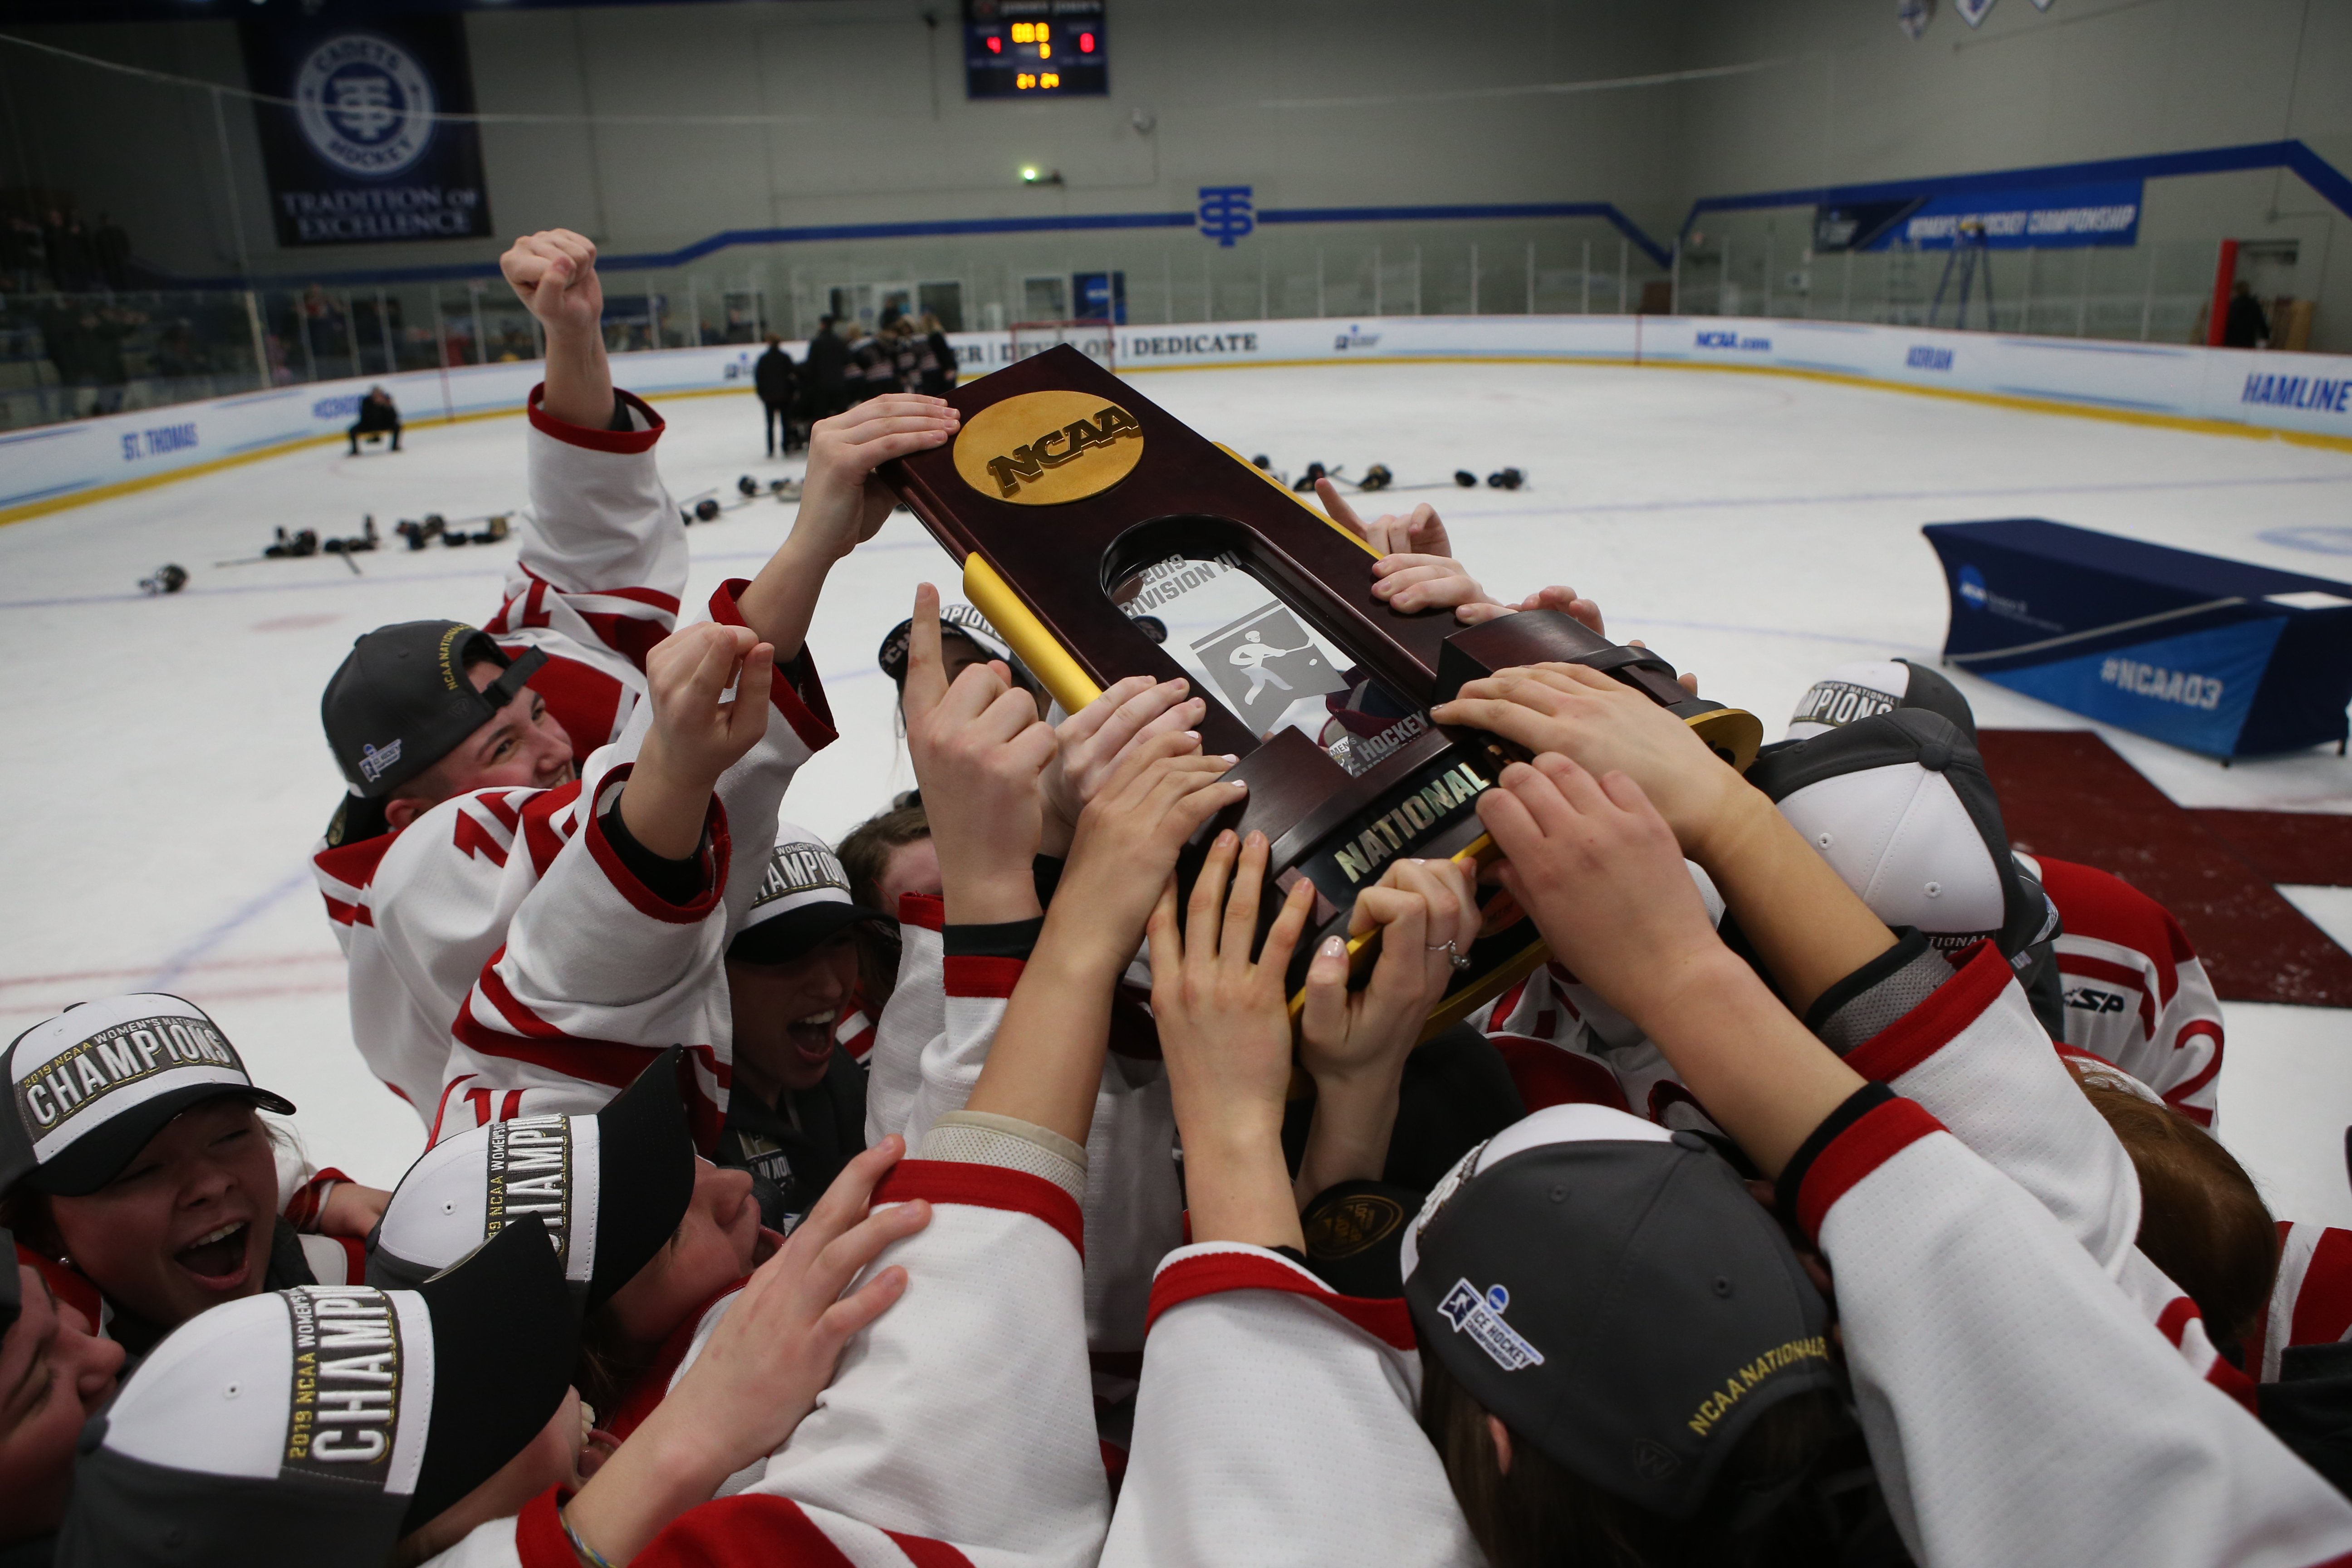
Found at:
<point>1091,338</point>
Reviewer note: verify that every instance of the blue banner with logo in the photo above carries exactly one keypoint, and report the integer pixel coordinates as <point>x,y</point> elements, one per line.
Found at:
<point>365,155</point>
<point>2104,212</point>
<point>2215,655</point>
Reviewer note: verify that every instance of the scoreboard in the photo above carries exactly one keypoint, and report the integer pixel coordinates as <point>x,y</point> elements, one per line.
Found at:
<point>1035,49</point>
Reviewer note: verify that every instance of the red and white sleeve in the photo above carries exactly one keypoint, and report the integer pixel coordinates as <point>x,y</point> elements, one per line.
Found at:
<point>1969,1315</point>
<point>1260,1387</point>
<point>599,975</point>
<point>959,1427</point>
<point>911,1020</point>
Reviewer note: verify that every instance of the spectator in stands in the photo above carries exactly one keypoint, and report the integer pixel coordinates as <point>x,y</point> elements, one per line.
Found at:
<point>110,251</point>
<point>942,375</point>
<point>179,352</point>
<point>778,383</point>
<point>826,383</point>
<point>86,345</point>
<point>872,366</point>
<point>66,250</point>
<point>2245,327</point>
<point>379,416</point>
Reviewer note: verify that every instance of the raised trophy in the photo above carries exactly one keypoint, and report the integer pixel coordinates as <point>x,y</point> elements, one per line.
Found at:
<point>1104,539</point>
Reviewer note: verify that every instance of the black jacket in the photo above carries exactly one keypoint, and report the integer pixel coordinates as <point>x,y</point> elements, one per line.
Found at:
<point>794,1150</point>
<point>828,360</point>
<point>775,377</point>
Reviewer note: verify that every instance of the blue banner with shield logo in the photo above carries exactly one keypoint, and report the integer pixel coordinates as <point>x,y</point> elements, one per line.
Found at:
<point>366,153</point>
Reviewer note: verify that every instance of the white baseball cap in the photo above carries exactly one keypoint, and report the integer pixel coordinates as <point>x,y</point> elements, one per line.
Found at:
<point>609,1188</point>
<point>322,1423</point>
<point>1852,691</point>
<point>88,1088</point>
<point>1899,805</point>
<point>803,900</point>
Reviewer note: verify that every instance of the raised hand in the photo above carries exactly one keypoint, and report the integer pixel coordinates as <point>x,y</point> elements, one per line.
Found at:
<point>696,736</point>
<point>1409,581</point>
<point>1553,599</point>
<point>764,1367</point>
<point>1607,726</point>
<point>1129,835</point>
<point>553,273</point>
<point>1090,743</point>
<point>842,504</point>
<point>1225,1033</point>
<point>979,750</point>
<point>1599,870</point>
<point>1354,1044</point>
<point>1419,531</point>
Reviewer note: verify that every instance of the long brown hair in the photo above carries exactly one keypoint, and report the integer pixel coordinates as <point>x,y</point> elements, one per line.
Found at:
<point>2201,1219</point>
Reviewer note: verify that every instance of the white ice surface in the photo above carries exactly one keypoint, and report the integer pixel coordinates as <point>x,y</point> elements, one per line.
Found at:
<point>166,778</point>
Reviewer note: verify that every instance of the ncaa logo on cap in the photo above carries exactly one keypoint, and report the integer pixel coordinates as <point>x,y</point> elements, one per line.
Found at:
<point>364,104</point>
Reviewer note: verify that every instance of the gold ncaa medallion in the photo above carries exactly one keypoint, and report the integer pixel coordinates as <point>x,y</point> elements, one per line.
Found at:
<point>1042,448</point>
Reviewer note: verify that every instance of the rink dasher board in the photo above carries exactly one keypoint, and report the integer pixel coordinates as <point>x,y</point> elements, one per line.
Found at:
<point>2298,396</point>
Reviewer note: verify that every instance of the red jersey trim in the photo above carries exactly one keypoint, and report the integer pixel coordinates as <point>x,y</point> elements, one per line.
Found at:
<point>986,1187</point>
<point>68,1284</point>
<point>539,1531</point>
<point>623,442</point>
<point>651,1386</point>
<point>1547,1075</point>
<point>974,976</point>
<point>755,1530</point>
<point>712,852</point>
<point>923,909</point>
<point>1215,1273</point>
<point>354,865</point>
<point>1935,1023</point>
<point>1876,1136</point>
<point>808,713</point>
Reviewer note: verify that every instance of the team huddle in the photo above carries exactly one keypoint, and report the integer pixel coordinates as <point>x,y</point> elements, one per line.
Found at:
<point>1841,1191</point>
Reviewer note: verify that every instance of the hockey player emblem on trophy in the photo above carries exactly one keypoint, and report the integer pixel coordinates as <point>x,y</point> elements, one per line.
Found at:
<point>1104,539</point>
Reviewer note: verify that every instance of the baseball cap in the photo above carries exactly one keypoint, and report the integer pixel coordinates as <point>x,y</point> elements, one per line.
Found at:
<point>955,620</point>
<point>609,1189</point>
<point>88,1088</point>
<point>322,1423</point>
<point>1899,805</point>
<point>1613,1293</point>
<point>401,702</point>
<point>1853,691</point>
<point>802,901</point>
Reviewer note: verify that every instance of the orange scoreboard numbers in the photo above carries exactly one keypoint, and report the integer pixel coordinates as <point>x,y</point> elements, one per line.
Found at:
<point>1031,48</point>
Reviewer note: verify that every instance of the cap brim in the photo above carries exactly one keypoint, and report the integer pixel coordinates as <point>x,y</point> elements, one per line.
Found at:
<point>796,933</point>
<point>97,1157</point>
<point>644,1172</point>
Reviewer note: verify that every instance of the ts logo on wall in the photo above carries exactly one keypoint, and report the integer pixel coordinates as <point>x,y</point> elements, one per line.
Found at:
<point>366,106</point>
<point>1227,212</point>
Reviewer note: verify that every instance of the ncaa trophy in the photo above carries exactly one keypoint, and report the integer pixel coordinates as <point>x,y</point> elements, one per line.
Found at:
<point>1103,539</point>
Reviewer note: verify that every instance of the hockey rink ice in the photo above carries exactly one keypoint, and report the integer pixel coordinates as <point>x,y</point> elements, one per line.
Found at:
<point>165,777</point>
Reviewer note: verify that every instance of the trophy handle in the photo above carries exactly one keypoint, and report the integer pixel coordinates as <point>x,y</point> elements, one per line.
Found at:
<point>1026,636</point>
<point>1732,734</point>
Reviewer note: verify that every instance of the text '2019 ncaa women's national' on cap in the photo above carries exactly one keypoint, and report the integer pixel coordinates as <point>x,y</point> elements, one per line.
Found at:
<point>322,1423</point>
<point>88,1088</point>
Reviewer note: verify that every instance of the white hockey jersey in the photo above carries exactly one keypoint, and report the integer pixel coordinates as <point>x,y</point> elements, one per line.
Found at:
<point>596,583</point>
<point>2137,994</point>
<point>597,974</point>
<point>932,1041</point>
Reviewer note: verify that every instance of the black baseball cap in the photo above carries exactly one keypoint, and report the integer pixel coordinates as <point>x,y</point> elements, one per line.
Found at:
<point>322,1423</point>
<point>955,621</point>
<point>1612,1292</point>
<point>804,901</point>
<point>88,1088</point>
<point>401,700</point>
<point>609,1188</point>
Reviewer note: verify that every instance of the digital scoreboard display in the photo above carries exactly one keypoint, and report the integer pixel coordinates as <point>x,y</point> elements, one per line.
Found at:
<point>1035,49</point>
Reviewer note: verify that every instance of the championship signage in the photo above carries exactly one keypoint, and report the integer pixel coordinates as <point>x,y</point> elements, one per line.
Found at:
<point>364,155</point>
<point>1104,539</point>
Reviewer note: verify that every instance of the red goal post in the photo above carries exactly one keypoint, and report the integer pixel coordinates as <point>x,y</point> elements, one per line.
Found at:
<point>1094,338</point>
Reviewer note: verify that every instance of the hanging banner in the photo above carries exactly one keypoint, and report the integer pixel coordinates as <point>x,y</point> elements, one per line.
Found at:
<point>2031,217</point>
<point>362,158</point>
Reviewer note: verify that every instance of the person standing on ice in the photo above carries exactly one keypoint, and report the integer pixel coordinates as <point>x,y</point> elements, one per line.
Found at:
<point>459,743</point>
